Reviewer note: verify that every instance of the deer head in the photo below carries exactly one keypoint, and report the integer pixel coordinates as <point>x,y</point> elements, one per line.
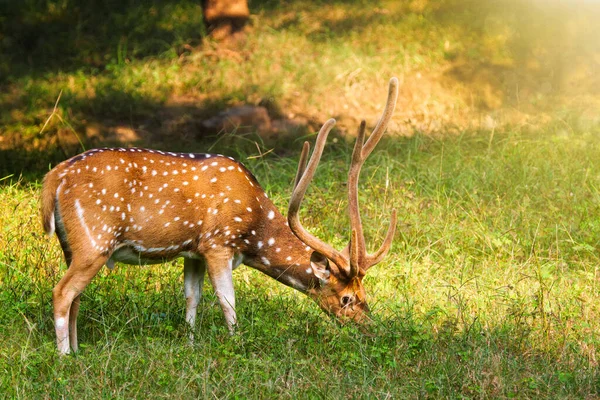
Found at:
<point>340,273</point>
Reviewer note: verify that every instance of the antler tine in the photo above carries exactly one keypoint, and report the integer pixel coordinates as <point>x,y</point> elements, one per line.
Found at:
<point>357,243</point>
<point>360,153</point>
<point>390,105</point>
<point>302,163</point>
<point>379,255</point>
<point>303,179</point>
<point>354,255</point>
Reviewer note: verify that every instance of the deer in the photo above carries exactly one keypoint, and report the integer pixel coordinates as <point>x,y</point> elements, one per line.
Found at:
<point>142,206</point>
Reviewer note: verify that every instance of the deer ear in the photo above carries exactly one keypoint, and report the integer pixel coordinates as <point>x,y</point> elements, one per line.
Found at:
<point>320,265</point>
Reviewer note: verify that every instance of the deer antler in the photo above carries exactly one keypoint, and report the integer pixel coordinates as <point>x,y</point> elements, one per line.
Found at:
<point>305,173</point>
<point>359,155</point>
<point>357,259</point>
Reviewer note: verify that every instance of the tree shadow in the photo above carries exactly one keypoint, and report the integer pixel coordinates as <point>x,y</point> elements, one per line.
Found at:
<point>38,36</point>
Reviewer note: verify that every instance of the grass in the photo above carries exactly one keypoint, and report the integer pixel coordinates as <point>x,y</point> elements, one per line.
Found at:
<point>491,288</point>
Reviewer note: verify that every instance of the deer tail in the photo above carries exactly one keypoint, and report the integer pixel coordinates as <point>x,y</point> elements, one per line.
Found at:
<point>49,187</point>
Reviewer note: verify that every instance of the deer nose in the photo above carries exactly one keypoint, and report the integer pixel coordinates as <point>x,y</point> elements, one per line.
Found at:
<point>357,312</point>
<point>347,300</point>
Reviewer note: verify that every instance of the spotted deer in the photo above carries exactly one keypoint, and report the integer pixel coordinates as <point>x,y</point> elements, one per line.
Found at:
<point>139,206</point>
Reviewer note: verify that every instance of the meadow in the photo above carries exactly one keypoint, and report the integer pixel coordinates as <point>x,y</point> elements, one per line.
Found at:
<point>490,289</point>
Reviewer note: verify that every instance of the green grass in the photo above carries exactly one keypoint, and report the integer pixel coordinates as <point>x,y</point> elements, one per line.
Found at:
<point>490,289</point>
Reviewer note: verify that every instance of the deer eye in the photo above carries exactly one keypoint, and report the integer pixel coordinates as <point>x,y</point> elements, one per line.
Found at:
<point>347,299</point>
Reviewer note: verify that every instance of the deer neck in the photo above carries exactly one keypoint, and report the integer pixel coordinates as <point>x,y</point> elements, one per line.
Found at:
<point>277,252</point>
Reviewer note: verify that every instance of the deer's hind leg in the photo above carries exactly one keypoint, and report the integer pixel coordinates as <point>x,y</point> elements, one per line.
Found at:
<point>66,297</point>
<point>74,310</point>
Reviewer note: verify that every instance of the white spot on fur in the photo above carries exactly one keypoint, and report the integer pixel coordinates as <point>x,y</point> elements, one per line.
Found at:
<point>80,213</point>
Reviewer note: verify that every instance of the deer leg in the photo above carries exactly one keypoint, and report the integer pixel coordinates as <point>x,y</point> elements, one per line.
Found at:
<point>66,291</point>
<point>220,267</point>
<point>193,277</point>
<point>74,310</point>
<point>73,322</point>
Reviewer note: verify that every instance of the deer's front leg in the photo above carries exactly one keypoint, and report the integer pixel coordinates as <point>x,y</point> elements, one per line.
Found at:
<point>193,277</point>
<point>220,266</point>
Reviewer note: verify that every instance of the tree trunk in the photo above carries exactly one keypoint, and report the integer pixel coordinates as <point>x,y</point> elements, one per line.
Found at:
<point>224,18</point>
